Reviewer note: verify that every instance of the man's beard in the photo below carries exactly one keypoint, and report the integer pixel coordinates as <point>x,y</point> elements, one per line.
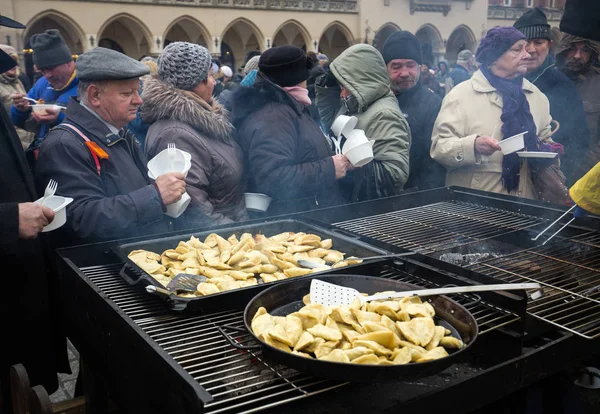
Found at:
<point>575,67</point>
<point>397,89</point>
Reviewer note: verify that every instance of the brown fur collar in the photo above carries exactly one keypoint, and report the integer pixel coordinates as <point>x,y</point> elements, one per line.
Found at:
<point>163,101</point>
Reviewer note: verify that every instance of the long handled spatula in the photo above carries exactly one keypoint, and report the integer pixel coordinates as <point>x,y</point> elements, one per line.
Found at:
<point>329,294</point>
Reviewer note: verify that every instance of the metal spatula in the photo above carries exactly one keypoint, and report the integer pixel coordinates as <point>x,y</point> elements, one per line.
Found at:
<point>307,263</point>
<point>183,282</point>
<point>329,294</point>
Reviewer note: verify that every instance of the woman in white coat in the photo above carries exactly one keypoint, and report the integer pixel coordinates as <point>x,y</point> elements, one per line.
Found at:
<point>496,103</point>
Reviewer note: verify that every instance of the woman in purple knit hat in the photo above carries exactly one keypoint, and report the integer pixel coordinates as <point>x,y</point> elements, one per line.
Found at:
<point>496,103</point>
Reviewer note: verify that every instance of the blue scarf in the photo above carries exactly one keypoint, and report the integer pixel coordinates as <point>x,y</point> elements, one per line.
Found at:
<point>516,118</point>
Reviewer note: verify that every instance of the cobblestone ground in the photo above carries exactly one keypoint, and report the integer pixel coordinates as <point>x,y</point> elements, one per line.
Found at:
<point>66,383</point>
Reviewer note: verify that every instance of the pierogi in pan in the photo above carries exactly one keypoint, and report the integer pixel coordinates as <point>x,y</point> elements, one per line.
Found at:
<point>391,332</point>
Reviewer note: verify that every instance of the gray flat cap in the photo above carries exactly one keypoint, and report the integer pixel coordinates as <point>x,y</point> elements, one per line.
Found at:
<point>106,64</point>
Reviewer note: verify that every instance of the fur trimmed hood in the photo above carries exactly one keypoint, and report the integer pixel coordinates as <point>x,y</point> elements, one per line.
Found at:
<point>163,101</point>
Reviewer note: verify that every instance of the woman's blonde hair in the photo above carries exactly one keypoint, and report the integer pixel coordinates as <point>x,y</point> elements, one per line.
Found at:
<point>152,66</point>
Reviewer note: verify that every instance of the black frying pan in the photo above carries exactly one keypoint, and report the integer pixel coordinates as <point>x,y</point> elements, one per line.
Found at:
<point>286,298</point>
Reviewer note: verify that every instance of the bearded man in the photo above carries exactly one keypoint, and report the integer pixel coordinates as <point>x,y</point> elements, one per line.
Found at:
<point>576,57</point>
<point>403,57</point>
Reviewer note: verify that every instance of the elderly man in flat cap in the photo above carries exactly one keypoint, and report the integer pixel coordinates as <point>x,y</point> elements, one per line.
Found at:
<point>100,164</point>
<point>54,60</point>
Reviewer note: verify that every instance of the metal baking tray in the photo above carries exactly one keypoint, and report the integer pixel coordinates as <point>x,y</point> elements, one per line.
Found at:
<point>135,275</point>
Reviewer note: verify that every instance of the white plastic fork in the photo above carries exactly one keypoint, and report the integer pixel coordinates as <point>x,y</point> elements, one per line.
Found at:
<point>50,190</point>
<point>171,153</point>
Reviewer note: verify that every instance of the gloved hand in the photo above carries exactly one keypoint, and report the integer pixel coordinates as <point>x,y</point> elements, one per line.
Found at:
<point>327,81</point>
<point>579,212</point>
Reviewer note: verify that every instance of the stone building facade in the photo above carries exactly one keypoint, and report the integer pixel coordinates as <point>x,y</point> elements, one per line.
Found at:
<point>231,28</point>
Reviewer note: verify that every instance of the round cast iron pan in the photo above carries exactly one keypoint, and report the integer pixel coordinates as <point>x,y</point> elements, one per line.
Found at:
<point>286,298</point>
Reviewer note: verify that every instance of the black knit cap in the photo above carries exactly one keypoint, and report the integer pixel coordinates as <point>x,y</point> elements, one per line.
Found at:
<point>402,45</point>
<point>581,18</point>
<point>534,24</point>
<point>284,65</point>
<point>49,49</point>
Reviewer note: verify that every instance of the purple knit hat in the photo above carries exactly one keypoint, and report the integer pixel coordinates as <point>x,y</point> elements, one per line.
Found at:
<point>497,41</point>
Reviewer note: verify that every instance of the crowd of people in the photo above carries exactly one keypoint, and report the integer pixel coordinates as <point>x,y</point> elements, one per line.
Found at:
<point>267,129</point>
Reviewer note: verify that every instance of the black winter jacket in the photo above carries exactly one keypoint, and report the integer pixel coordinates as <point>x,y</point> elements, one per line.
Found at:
<point>32,335</point>
<point>421,107</point>
<point>287,155</point>
<point>566,107</point>
<point>120,202</point>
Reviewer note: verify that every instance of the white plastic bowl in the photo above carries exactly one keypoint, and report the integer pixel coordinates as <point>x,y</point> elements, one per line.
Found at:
<point>513,144</point>
<point>177,208</point>
<point>57,204</point>
<point>361,155</point>
<point>343,125</point>
<point>353,139</point>
<point>257,201</point>
<point>41,108</point>
<point>160,165</point>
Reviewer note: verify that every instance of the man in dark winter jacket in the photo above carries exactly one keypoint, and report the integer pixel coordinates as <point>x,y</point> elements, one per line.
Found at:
<point>403,57</point>
<point>27,316</point>
<point>100,164</point>
<point>461,71</point>
<point>577,57</point>
<point>566,106</point>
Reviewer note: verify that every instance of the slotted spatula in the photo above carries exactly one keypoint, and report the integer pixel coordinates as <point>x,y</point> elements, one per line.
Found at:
<point>329,294</point>
<point>183,282</point>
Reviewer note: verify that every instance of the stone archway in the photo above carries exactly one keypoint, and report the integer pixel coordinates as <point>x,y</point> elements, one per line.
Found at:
<point>50,19</point>
<point>383,33</point>
<point>239,37</point>
<point>292,33</point>
<point>70,31</point>
<point>335,39</point>
<point>126,34</point>
<point>460,39</point>
<point>186,29</point>
<point>431,44</point>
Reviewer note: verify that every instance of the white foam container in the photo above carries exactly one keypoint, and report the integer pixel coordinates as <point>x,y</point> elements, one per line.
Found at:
<point>361,155</point>
<point>59,205</point>
<point>513,144</point>
<point>536,154</point>
<point>41,108</point>
<point>160,164</point>
<point>353,139</point>
<point>257,201</point>
<point>343,125</point>
<point>177,208</point>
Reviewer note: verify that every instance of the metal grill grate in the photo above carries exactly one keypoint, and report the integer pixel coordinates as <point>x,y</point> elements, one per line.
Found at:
<point>240,381</point>
<point>439,226</point>
<point>570,274</point>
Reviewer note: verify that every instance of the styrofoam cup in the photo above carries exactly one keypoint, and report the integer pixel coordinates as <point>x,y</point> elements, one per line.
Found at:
<point>343,125</point>
<point>361,155</point>
<point>354,138</point>
<point>177,208</point>
<point>160,164</point>
<point>59,205</point>
<point>512,144</point>
<point>257,201</point>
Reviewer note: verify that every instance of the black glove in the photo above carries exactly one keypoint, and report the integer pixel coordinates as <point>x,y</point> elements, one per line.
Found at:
<point>327,80</point>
